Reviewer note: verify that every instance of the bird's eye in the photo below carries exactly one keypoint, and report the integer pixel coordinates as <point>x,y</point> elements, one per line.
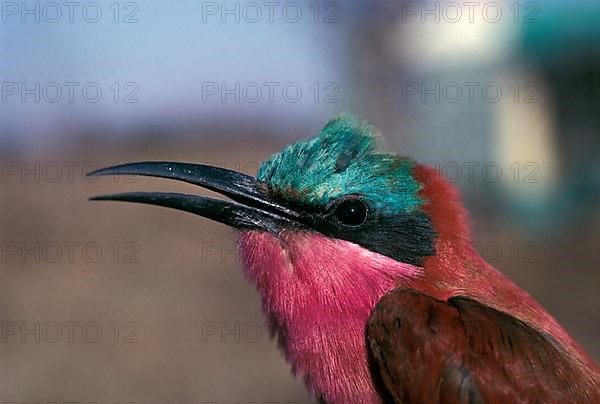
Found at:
<point>351,211</point>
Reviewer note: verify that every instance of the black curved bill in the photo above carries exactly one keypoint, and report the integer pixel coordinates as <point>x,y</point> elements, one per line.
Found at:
<point>254,210</point>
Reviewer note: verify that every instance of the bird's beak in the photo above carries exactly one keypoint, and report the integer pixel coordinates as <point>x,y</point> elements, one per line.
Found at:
<point>254,209</point>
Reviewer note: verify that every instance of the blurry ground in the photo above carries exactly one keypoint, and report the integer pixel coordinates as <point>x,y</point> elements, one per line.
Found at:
<point>179,323</point>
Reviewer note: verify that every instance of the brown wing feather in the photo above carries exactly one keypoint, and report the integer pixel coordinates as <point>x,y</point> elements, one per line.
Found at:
<point>424,350</point>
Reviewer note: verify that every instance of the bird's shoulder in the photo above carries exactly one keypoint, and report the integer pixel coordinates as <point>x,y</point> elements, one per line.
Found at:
<point>425,350</point>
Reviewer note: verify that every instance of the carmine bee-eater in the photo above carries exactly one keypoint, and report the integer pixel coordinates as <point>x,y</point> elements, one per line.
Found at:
<point>368,277</point>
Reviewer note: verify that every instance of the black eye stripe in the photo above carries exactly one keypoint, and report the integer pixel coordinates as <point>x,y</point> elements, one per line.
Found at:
<point>406,237</point>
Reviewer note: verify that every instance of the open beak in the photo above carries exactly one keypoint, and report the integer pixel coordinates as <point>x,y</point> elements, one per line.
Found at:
<point>254,209</point>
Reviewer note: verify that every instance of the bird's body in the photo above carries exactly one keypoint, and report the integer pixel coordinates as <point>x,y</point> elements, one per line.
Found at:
<point>325,343</point>
<point>367,274</point>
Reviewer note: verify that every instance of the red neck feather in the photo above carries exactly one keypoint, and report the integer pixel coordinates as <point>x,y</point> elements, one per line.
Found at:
<point>457,269</point>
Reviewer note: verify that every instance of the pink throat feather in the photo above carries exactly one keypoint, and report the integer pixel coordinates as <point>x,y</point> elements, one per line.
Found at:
<point>318,294</point>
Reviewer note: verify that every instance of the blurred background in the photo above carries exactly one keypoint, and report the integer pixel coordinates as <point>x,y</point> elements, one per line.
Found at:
<point>112,303</point>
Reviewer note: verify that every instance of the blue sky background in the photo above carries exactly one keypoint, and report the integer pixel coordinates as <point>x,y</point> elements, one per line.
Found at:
<point>168,54</point>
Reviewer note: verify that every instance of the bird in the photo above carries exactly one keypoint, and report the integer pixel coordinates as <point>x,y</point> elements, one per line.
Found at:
<point>365,265</point>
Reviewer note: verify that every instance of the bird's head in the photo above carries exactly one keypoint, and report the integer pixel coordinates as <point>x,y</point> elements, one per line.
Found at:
<point>345,189</point>
<point>324,209</point>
